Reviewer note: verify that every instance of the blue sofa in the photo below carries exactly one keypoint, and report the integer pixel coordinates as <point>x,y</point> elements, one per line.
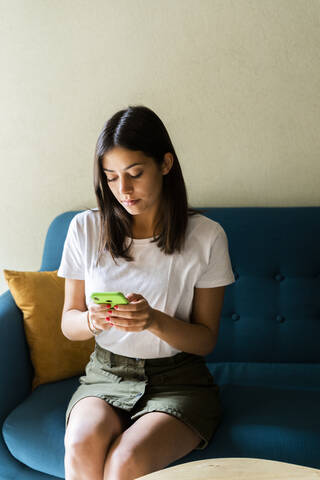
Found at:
<point>266,361</point>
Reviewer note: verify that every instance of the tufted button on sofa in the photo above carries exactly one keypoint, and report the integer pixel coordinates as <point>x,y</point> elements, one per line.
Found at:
<point>279,277</point>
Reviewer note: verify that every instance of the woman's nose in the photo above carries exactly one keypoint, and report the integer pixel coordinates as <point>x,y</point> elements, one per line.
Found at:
<point>125,185</point>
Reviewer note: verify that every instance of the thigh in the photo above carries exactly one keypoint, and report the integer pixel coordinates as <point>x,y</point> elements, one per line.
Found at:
<point>93,418</point>
<point>187,391</point>
<point>155,440</point>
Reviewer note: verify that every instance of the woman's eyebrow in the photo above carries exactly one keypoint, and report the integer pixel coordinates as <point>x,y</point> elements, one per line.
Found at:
<point>130,166</point>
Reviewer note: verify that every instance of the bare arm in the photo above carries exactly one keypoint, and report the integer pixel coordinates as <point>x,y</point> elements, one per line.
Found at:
<point>201,334</point>
<point>74,323</point>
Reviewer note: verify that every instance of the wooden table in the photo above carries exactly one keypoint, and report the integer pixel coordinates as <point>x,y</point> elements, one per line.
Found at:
<point>235,469</point>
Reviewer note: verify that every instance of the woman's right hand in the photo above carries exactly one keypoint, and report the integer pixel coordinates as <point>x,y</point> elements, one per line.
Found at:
<point>98,314</point>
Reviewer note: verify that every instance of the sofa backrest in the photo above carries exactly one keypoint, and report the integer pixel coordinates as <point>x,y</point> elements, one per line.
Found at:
<point>272,312</point>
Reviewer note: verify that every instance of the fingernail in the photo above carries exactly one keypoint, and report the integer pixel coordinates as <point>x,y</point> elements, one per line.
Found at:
<point>108,305</point>
<point>109,311</point>
<point>108,319</point>
<point>116,306</point>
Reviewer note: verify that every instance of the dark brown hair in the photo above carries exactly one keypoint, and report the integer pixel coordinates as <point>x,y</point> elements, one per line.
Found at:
<point>138,128</point>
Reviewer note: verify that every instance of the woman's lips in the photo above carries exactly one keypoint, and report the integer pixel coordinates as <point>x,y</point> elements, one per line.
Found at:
<point>130,203</point>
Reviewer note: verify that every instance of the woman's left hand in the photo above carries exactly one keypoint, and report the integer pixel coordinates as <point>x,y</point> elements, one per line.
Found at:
<point>134,316</point>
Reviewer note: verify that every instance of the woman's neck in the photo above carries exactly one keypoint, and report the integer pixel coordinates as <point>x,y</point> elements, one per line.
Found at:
<point>143,232</point>
<point>144,227</point>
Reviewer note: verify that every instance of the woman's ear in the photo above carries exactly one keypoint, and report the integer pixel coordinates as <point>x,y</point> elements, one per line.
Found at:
<point>167,163</point>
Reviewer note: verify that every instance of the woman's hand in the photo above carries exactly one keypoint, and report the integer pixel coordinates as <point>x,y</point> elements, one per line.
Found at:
<point>98,314</point>
<point>134,316</point>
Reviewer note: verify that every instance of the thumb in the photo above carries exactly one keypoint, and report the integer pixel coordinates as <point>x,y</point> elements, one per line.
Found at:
<point>134,297</point>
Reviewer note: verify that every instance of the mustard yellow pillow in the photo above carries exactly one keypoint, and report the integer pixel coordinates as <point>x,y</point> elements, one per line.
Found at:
<point>40,296</point>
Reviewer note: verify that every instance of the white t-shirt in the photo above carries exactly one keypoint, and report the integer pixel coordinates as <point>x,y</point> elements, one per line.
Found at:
<point>167,282</point>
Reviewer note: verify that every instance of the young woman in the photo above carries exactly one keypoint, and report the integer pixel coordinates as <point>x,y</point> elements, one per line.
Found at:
<point>147,397</point>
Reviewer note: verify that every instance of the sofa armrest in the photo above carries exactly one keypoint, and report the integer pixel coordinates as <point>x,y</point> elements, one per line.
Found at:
<point>16,370</point>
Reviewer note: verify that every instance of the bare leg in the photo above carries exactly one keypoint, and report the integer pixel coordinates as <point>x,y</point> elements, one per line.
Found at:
<point>154,441</point>
<point>93,425</point>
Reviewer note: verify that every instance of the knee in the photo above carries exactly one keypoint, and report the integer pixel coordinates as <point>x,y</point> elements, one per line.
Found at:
<point>124,463</point>
<point>74,449</point>
<point>79,447</point>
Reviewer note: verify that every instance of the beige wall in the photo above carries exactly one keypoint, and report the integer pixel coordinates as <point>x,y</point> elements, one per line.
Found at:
<point>235,81</point>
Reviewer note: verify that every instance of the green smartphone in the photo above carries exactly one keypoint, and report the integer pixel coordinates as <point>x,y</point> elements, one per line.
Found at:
<point>114,298</point>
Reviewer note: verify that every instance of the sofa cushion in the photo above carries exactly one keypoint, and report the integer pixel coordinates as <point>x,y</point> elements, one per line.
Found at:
<point>40,296</point>
<point>34,431</point>
<point>273,423</point>
<point>270,423</point>
<point>258,422</point>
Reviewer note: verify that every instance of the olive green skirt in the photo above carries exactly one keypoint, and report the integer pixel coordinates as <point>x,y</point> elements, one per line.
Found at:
<point>181,385</point>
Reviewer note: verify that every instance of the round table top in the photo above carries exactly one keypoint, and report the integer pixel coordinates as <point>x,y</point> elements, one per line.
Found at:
<point>235,469</point>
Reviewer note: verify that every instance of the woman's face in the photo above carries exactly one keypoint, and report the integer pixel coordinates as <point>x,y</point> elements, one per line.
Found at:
<point>135,180</point>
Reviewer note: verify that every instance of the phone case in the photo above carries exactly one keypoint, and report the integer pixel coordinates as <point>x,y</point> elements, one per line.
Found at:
<point>114,298</point>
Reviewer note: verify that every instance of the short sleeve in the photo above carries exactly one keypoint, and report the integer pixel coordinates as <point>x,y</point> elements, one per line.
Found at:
<point>219,270</point>
<point>72,260</point>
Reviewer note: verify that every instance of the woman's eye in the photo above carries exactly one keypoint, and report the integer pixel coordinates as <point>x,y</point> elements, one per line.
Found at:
<point>132,176</point>
<point>136,176</point>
